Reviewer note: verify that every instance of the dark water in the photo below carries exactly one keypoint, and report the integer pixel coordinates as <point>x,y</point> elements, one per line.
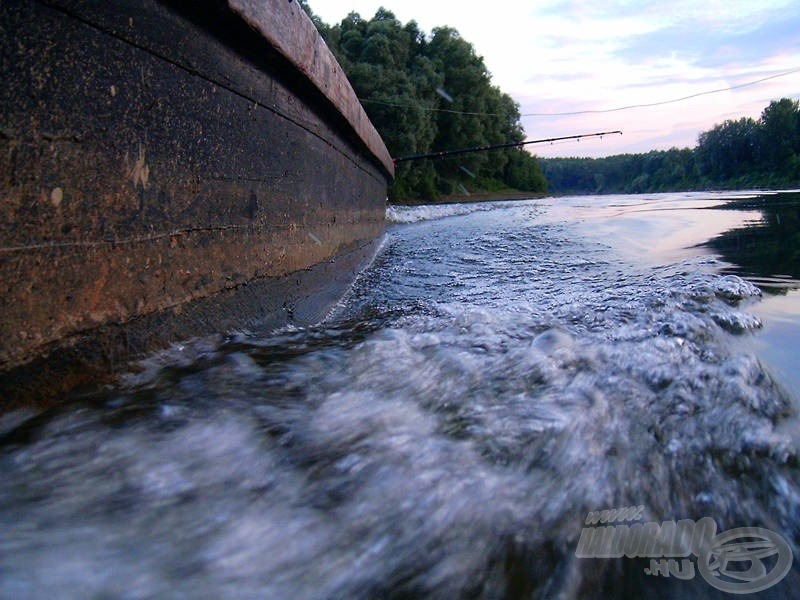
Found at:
<point>496,374</point>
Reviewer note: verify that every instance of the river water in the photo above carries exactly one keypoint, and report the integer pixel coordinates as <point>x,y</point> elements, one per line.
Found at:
<point>498,372</point>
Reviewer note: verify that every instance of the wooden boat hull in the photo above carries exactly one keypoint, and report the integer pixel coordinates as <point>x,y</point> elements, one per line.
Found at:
<point>169,169</point>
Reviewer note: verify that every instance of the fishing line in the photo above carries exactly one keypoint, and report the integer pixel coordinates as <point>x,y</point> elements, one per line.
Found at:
<point>585,112</point>
<point>430,108</point>
<point>443,153</point>
<point>662,102</point>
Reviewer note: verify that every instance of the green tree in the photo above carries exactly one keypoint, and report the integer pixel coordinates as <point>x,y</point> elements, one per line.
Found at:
<point>729,149</point>
<point>780,136</point>
<point>431,93</point>
<point>736,153</point>
<point>427,93</point>
<point>521,171</point>
<point>465,81</point>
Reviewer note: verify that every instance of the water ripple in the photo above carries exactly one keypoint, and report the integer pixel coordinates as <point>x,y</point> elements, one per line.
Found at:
<point>486,383</point>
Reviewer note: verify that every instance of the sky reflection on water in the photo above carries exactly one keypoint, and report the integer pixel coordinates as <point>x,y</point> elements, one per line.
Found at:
<point>755,234</point>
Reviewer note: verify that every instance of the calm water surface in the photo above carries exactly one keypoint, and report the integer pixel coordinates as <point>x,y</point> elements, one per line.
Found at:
<point>499,371</point>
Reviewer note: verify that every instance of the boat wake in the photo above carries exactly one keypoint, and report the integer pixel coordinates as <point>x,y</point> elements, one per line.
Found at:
<point>489,382</point>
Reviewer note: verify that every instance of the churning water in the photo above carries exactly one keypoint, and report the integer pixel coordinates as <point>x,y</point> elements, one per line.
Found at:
<point>498,372</point>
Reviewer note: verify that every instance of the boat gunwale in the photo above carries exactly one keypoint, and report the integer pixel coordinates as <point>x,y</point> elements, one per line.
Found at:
<point>297,40</point>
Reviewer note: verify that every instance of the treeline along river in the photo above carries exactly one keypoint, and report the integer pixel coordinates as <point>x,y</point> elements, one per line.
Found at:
<point>499,372</point>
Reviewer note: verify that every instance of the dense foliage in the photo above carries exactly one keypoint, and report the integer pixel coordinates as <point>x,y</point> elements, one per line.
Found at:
<point>745,153</point>
<point>427,93</point>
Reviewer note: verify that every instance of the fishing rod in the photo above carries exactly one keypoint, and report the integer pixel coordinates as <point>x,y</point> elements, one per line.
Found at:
<point>444,153</point>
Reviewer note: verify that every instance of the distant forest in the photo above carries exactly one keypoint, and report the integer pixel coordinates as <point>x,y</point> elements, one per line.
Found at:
<point>738,154</point>
<point>419,91</point>
<point>432,92</point>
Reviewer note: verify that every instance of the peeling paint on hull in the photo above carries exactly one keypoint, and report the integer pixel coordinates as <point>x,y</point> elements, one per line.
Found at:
<point>156,159</point>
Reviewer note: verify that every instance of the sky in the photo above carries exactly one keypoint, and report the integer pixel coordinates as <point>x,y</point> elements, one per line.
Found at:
<point>584,56</point>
